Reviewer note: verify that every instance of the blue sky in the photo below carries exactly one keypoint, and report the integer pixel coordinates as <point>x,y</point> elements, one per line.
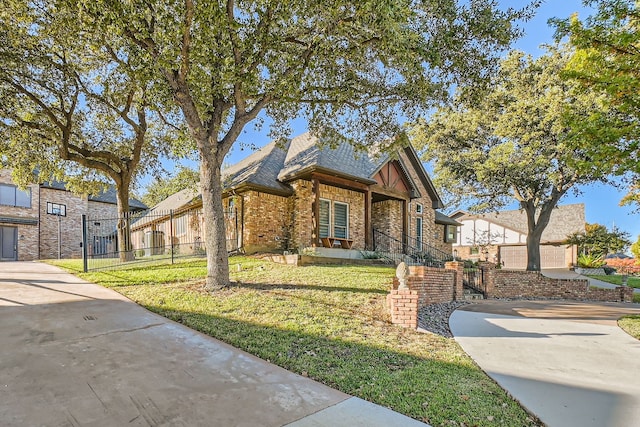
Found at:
<point>601,201</point>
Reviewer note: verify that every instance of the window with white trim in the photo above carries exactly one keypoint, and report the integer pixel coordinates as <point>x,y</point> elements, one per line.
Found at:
<point>340,220</point>
<point>56,209</point>
<point>419,208</point>
<point>324,218</point>
<point>450,233</point>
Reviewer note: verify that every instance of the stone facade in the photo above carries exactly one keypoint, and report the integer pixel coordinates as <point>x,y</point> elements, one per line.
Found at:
<point>302,227</point>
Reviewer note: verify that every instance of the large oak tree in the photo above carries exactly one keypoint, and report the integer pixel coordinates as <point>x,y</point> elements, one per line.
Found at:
<point>510,144</point>
<point>75,106</point>
<point>352,68</point>
<point>607,61</point>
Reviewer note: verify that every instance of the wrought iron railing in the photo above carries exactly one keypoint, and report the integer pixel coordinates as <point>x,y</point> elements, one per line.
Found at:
<point>409,250</point>
<point>473,279</point>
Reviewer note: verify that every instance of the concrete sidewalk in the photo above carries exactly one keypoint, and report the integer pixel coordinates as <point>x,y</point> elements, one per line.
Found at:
<point>74,353</point>
<point>567,362</point>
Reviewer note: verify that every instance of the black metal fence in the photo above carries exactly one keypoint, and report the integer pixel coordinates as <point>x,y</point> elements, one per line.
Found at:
<point>150,237</point>
<point>474,279</point>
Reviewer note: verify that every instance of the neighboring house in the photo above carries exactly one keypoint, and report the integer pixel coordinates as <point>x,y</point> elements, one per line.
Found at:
<point>44,220</point>
<point>502,236</point>
<point>298,195</point>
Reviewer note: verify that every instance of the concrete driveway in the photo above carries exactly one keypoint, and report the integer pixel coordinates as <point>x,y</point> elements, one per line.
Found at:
<point>76,354</point>
<point>567,362</point>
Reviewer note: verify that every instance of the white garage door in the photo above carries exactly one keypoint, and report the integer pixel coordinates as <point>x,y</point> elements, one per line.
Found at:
<point>515,257</point>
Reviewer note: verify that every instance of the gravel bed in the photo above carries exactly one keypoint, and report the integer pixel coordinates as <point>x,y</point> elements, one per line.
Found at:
<point>434,318</point>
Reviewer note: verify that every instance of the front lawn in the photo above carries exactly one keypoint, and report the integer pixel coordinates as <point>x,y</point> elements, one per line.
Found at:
<point>631,325</point>
<point>328,323</point>
<point>616,279</point>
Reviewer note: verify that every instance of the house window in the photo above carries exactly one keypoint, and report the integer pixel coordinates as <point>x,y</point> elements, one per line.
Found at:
<point>10,195</point>
<point>340,220</point>
<point>56,209</point>
<point>180,224</point>
<point>450,233</point>
<point>324,220</point>
<point>419,232</point>
<point>475,250</point>
<point>419,208</point>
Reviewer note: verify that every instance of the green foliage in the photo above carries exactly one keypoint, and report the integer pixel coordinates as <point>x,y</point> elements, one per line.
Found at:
<point>635,249</point>
<point>352,68</point>
<point>590,260</point>
<point>511,143</point>
<point>328,323</point>
<point>160,189</point>
<point>597,240</point>
<point>606,61</point>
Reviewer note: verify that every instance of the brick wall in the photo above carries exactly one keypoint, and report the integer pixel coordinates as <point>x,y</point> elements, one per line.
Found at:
<point>434,285</point>
<point>386,216</point>
<point>303,226</point>
<point>27,244</point>
<point>266,218</point>
<point>531,284</point>
<point>70,229</point>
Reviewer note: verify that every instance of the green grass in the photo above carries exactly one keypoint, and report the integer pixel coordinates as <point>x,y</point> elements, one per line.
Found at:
<point>616,279</point>
<point>328,323</point>
<point>631,325</point>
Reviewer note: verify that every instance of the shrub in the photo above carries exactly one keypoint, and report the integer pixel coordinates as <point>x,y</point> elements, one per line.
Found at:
<point>590,261</point>
<point>609,270</point>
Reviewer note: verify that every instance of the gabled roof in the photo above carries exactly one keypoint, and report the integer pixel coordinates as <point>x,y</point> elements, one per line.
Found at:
<point>260,170</point>
<point>307,153</point>
<point>105,196</point>
<point>565,219</point>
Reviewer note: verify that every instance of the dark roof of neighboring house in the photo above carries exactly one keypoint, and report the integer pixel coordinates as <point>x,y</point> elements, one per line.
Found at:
<point>105,196</point>
<point>445,220</point>
<point>565,219</point>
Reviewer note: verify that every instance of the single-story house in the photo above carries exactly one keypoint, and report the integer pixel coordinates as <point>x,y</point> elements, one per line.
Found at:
<point>44,220</point>
<point>303,194</point>
<point>502,236</point>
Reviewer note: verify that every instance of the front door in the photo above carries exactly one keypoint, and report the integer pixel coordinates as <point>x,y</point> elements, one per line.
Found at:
<point>8,243</point>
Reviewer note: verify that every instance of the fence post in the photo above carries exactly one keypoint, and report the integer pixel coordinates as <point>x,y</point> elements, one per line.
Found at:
<point>84,243</point>
<point>171,232</point>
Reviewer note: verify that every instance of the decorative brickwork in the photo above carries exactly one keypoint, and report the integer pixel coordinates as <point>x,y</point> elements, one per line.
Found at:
<point>403,304</point>
<point>531,284</point>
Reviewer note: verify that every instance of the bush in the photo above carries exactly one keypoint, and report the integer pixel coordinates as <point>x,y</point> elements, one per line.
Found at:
<point>590,261</point>
<point>609,270</point>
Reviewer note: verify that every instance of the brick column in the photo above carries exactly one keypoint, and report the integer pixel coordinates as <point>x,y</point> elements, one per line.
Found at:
<point>403,304</point>
<point>458,286</point>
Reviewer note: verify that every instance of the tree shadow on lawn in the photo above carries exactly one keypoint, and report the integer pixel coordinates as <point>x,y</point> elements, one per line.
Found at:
<point>260,286</point>
<point>429,389</point>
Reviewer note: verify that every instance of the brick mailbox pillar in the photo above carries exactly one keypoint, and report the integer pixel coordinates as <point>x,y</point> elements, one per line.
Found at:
<point>403,304</point>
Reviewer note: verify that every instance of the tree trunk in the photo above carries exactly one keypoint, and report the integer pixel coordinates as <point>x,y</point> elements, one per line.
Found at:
<point>214,229</point>
<point>124,223</point>
<point>536,227</point>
